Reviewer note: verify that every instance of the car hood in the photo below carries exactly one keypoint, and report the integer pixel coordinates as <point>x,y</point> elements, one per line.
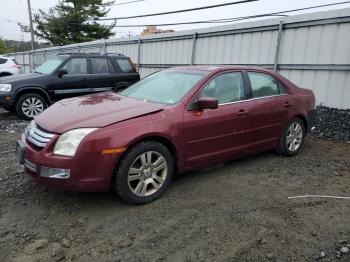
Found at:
<point>98,110</point>
<point>17,78</point>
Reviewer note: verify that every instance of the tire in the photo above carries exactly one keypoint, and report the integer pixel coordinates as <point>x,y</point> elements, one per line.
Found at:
<point>119,89</point>
<point>25,101</point>
<point>292,138</point>
<point>143,184</point>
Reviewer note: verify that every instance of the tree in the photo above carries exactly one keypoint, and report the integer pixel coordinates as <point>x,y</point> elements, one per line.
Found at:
<point>3,48</point>
<point>72,21</point>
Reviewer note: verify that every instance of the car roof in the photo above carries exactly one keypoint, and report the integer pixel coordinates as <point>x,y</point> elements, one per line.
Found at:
<point>91,54</point>
<point>218,68</point>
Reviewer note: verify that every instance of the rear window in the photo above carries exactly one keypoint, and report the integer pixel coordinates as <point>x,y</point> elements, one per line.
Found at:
<point>3,60</point>
<point>125,65</point>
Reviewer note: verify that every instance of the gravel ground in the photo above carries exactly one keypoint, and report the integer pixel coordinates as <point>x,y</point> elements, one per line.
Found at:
<point>236,212</point>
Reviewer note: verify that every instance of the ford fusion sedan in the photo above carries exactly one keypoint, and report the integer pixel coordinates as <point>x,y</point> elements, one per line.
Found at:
<point>173,121</point>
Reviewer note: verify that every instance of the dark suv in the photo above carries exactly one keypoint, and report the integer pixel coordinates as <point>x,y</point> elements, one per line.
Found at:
<point>68,75</point>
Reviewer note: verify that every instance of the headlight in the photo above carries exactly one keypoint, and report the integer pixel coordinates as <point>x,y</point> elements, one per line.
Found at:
<point>68,143</point>
<point>5,88</point>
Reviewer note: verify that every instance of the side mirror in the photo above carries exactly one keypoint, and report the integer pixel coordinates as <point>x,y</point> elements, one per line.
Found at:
<point>61,72</point>
<point>207,103</point>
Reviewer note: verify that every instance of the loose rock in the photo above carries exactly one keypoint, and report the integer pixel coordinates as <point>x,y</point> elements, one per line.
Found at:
<point>332,123</point>
<point>36,245</point>
<point>344,250</point>
<point>66,242</point>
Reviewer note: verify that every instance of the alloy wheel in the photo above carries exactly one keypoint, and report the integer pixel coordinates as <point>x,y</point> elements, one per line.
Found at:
<point>32,106</point>
<point>294,136</point>
<point>147,173</point>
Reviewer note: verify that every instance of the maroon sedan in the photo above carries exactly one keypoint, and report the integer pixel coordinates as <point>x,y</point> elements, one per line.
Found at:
<point>175,120</point>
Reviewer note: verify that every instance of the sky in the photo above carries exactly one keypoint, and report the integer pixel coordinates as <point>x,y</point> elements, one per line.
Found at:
<point>14,11</point>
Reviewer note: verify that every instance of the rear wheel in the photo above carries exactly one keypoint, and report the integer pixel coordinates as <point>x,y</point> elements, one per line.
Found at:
<point>30,105</point>
<point>119,89</point>
<point>292,138</point>
<point>144,172</point>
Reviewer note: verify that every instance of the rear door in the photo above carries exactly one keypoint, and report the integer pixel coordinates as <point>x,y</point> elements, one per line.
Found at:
<point>100,77</point>
<point>268,110</point>
<point>217,133</point>
<point>73,83</point>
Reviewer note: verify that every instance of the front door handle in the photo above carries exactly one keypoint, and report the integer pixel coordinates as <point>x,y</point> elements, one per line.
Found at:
<point>287,104</point>
<point>242,112</point>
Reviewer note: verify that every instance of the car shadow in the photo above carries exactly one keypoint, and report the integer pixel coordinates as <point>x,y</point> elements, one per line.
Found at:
<point>102,200</point>
<point>6,115</point>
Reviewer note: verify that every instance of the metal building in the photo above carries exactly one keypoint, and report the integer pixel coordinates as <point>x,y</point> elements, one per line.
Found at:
<point>312,50</point>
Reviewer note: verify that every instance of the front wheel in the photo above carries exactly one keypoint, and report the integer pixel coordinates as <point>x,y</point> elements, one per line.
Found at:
<point>292,138</point>
<point>30,105</point>
<point>144,172</point>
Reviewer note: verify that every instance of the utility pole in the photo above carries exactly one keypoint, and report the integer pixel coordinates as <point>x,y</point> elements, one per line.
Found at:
<point>32,35</point>
<point>31,24</point>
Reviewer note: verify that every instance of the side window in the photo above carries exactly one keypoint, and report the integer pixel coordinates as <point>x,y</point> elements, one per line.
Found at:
<point>263,85</point>
<point>99,66</point>
<point>125,65</point>
<point>76,66</point>
<point>226,88</point>
<point>3,61</point>
<point>283,89</point>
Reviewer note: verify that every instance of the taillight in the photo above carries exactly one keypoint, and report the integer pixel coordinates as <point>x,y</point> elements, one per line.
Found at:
<point>16,66</point>
<point>133,66</point>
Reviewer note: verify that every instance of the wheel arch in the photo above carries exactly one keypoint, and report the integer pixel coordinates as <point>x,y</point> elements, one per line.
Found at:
<point>33,89</point>
<point>163,140</point>
<point>5,73</point>
<point>121,85</point>
<point>303,118</point>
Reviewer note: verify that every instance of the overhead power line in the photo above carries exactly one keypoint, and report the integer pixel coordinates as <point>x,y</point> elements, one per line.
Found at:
<point>235,19</point>
<point>216,21</point>
<point>227,20</point>
<point>178,11</point>
<point>129,2</point>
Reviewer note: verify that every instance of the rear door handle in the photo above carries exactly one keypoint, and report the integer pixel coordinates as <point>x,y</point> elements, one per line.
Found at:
<point>287,104</point>
<point>242,112</point>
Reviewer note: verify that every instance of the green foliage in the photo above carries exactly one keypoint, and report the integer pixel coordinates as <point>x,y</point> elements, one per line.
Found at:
<point>21,46</point>
<point>72,21</point>
<point>3,47</point>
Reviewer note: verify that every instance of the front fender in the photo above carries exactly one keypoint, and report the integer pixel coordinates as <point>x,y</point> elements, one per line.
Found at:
<point>35,89</point>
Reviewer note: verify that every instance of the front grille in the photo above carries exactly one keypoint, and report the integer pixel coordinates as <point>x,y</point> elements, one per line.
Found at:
<point>37,136</point>
<point>30,166</point>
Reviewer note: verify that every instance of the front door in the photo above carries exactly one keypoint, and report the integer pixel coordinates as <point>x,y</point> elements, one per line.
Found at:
<point>71,84</point>
<point>217,133</point>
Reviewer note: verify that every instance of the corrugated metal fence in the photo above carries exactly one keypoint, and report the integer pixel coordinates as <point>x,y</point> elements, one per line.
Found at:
<point>313,50</point>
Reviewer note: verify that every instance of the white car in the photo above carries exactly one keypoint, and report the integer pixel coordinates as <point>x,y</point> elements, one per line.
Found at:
<point>9,66</point>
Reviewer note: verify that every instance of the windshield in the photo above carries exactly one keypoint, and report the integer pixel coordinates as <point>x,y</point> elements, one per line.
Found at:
<point>48,67</point>
<point>165,87</point>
